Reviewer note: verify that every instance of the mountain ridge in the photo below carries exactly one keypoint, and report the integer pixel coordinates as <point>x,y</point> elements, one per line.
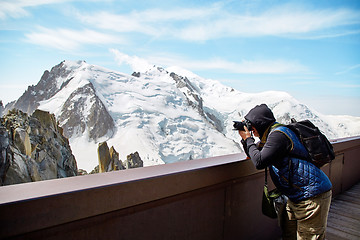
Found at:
<point>167,115</point>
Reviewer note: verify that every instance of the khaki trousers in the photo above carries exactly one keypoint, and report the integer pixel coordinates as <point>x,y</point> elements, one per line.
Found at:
<point>306,219</point>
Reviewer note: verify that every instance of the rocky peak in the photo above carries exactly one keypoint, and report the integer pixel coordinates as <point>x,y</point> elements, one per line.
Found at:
<point>136,74</point>
<point>46,88</point>
<point>192,96</point>
<point>113,163</point>
<point>1,108</point>
<point>109,160</point>
<point>83,111</point>
<point>48,85</point>
<point>78,116</point>
<point>195,100</point>
<point>133,160</point>
<point>33,148</point>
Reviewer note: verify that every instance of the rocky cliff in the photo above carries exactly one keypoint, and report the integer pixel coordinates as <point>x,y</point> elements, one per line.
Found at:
<point>1,108</point>
<point>109,160</point>
<point>82,112</point>
<point>33,148</point>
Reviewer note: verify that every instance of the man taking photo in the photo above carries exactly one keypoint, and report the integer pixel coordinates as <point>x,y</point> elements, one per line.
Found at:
<point>307,187</point>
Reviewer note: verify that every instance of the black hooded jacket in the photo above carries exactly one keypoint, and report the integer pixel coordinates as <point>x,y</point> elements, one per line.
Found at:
<point>277,144</point>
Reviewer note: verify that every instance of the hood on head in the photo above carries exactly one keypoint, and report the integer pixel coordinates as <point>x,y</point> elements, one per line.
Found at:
<point>261,117</point>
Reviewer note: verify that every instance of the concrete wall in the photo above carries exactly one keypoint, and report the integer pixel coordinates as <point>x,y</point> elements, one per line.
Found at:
<point>214,198</point>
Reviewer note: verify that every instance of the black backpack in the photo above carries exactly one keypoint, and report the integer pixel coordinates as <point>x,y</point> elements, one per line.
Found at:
<point>318,146</point>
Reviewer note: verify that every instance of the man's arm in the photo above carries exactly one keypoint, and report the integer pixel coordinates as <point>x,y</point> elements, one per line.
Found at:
<point>276,147</point>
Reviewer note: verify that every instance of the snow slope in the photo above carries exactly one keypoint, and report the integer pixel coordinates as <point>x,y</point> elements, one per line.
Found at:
<point>172,117</point>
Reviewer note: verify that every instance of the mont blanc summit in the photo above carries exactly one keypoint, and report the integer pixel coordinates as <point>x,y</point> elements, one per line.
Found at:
<point>166,115</point>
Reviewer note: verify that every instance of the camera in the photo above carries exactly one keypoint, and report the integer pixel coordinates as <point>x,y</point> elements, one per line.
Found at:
<point>239,126</point>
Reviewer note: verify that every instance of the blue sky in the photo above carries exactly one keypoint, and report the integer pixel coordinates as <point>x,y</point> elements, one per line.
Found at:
<point>310,49</point>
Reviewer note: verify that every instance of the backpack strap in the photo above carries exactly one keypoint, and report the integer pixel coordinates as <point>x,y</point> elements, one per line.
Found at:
<point>267,132</point>
<point>266,176</point>
<point>297,149</point>
<point>283,129</point>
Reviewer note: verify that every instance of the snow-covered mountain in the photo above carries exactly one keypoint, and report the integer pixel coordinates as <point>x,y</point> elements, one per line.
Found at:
<point>167,115</point>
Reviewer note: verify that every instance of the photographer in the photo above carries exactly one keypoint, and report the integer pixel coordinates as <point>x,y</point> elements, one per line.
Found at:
<point>306,186</point>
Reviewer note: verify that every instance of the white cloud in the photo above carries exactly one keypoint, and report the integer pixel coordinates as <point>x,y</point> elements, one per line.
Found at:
<point>175,14</point>
<point>153,22</point>
<point>282,21</point>
<point>10,9</point>
<point>69,40</point>
<point>349,69</point>
<point>256,66</point>
<point>243,67</point>
<point>117,23</point>
<point>247,66</point>
<point>17,8</point>
<point>137,64</point>
<point>214,21</point>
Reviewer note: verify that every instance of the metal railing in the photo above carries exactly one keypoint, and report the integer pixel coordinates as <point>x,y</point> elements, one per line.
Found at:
<point>213,198</point>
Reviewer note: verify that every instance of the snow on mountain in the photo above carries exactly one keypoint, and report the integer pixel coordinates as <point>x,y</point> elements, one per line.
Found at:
<point>234,105</point>
<point>167,115</point>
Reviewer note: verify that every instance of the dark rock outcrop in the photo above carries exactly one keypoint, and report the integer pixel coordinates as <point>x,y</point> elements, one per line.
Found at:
<point>195,100</point>
<point>104,157</point>
<point>1,108</point>
<point>109,160</point>
<point>5,154</point>
<point>115,162</point>
<point>76,118</point>
<point>136,74</point>
<point>33,148</point>
<point>133,161</point>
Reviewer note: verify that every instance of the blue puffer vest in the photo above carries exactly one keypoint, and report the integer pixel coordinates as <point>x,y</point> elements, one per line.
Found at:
<point>295,177</point>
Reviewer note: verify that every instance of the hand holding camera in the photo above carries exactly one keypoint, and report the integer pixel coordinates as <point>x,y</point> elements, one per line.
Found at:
<point>244,128</point>
<point>239,126</point>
